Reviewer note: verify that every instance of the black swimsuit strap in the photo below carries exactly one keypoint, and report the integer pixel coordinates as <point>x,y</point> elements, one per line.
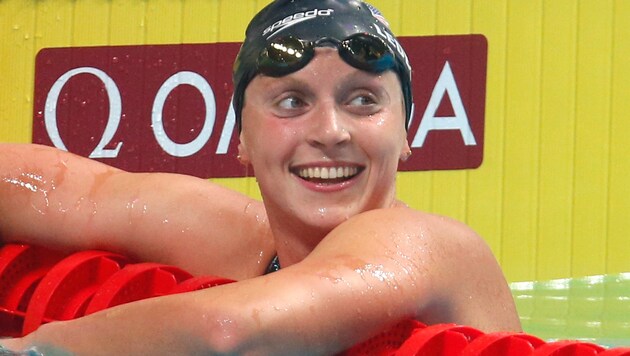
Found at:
<point>274,265</point>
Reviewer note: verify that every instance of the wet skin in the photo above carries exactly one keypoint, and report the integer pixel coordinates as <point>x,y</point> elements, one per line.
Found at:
<point>327,117</point>
<point>355,260</point>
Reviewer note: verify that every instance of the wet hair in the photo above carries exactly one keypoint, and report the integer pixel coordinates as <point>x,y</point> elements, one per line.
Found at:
<point>312,20</point>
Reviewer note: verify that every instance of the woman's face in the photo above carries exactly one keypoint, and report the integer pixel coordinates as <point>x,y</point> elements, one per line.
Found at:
<point>324,141</point>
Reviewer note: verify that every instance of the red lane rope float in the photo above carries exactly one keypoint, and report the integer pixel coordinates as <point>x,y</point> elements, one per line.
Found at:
<point>68,287</point>
<point>197,283</point>
<point>136,282</point>
<point>21,270</point>
<point>568,348</point>
<point>502,343</point>
<point>38,286</point>
<point>620,351</point>
<point>388,342</point>
<point>440,339</point>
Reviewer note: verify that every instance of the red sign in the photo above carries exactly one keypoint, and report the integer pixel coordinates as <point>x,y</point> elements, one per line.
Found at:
<point>167,107</point>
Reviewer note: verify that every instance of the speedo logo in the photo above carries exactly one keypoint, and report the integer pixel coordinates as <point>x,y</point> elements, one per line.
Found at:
<point>295,19</point>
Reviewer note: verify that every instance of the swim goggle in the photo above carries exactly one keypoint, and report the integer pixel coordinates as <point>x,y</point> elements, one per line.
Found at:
<point>289,54</point>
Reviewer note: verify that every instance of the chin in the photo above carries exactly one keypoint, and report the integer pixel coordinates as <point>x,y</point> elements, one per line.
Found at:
<point>328,218</point>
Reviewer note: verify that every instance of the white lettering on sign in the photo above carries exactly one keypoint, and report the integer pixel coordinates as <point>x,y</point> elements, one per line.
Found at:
<point>115,109</point>
<point>445,85</point>
<point>184,149</point>
<point>228,129</point>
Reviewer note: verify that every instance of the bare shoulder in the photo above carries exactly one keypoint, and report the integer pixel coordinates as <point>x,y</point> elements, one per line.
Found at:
<point>406,222</point>
<point>457,278</point>
<point>437,243</point>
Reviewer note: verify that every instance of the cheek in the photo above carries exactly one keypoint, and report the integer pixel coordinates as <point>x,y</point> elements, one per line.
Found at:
<point>268,141</point>
<point>386,138</point>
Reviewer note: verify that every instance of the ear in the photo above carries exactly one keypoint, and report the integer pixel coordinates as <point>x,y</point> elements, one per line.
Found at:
<point>243,155</point>
<point>405,153</point>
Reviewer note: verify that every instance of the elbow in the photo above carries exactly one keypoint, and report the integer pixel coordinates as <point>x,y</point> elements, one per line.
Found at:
<point>224,339</point>
<point>223,333</point>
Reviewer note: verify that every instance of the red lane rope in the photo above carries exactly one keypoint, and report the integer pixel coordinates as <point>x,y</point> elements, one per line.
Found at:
<point>38,286</point>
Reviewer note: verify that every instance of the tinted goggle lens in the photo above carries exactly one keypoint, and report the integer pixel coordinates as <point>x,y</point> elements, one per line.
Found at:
<point>285,55</point>
<point>366,52</point>
<point>289,54</point>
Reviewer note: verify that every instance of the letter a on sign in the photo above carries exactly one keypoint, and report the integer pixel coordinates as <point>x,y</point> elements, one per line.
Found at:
<point>445,85</point>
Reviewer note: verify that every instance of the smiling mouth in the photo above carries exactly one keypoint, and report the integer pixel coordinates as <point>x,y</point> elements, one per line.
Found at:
<point>327,175</point>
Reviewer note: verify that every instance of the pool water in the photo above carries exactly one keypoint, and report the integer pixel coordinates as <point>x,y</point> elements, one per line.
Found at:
<point>594,308</point>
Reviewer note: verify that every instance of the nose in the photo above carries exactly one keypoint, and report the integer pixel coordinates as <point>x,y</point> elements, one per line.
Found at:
<point>328,128</point>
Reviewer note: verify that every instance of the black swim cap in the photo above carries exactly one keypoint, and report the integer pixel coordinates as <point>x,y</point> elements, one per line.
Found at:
<point>311,20</point>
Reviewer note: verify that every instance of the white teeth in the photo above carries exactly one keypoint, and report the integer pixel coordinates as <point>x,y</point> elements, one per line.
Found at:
<point>328,173</point>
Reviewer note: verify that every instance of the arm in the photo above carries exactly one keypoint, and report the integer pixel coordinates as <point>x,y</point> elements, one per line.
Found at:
<point>56,199</point>
<point>374,270</point>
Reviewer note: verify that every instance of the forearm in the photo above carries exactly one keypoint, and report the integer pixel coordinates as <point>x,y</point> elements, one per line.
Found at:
<point>165,325</point>
<point>282,314</point>
<point>308,311</point>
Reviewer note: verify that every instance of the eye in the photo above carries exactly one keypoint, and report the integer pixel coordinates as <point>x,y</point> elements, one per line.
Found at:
<point>362,100</point>
<point>290,103</point>
<point>364,103</point>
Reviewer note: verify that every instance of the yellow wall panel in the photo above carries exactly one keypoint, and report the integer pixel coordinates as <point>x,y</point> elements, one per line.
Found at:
<point>552,195</point>
<point>416,18</point>
<point>127,22</point>
<point>417,188</point>
<point>592,136</point>
<point>54,24</point>
<point>17,60</point>
<point>199,21</point>
<point>454,17</point>
<point>164,21</point>
<point>485,193</point>
<point>90,25</point>
<point>619,184</point>
<point>390,9</point>
<point>522,121</point>
<point>557,131</point>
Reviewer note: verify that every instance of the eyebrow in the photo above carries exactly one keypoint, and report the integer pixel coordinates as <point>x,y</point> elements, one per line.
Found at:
<point>352,80</point>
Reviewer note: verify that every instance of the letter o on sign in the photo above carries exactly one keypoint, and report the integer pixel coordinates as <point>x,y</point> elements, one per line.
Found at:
<point>192,147</point>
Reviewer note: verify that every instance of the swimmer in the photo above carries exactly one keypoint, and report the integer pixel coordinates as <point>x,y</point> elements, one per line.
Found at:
<point>322,106</point>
